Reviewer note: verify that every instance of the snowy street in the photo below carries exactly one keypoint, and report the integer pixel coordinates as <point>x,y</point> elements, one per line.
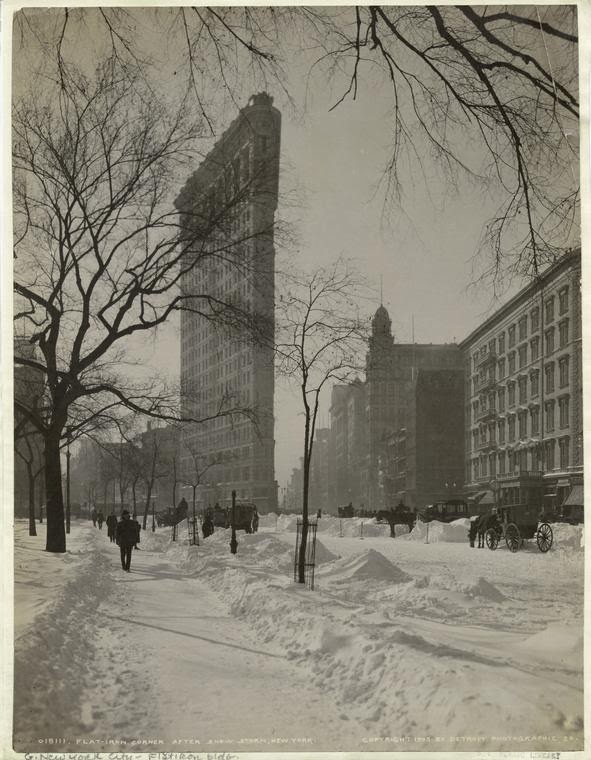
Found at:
<point>403,644</point>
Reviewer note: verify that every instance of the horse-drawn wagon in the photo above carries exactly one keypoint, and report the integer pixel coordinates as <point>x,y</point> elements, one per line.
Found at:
<point>516,524</point>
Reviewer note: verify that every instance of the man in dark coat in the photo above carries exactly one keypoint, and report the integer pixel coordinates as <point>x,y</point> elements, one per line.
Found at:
<point>100,518</point>
<point>93,516</point>
<point>127,538</point>
<point>207,525</point>
<point>112,526</point>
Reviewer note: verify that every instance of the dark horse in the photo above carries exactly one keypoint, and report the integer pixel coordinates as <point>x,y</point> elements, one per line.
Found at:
<point>480,525</point>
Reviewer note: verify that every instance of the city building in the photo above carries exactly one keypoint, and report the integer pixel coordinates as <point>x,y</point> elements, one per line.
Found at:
<point>225,364</point>
<point>319,470</point>
<point>347,442</point>
<point>524,393</point>
<point>392,372</point>
<point>425,459</point>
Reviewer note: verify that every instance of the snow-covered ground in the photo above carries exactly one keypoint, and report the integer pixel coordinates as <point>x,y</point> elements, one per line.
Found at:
<point>413,643</point>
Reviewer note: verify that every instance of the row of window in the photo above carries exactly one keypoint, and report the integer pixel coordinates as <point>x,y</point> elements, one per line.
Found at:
<point>519,359</point>
<point>518,331</point>
<point>516,391</point>
<point>516,425</point>
<point>538,459</point>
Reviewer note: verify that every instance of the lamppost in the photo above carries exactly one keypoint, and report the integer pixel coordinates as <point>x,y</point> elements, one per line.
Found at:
<point>233,542</point>
<point>68,479</point>
<point>450,488</point>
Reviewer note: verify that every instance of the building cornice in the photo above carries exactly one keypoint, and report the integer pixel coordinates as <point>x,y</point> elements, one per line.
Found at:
<point>571,259</point>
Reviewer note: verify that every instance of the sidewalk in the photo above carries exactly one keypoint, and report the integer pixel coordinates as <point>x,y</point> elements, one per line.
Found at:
<point>163,661</point>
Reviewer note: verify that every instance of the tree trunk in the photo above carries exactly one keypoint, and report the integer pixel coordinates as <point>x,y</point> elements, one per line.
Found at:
<point>147,507</point>
<point>134,500</point>
<point>31,482</point>
<point>56,530</point>
<point>306,473</point>
<point>174,482</point>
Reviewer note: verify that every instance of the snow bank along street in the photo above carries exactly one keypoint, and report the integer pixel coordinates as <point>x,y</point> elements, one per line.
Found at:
<point>403,644</point>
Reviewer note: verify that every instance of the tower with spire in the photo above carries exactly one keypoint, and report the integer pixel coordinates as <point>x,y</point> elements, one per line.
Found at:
<point>393,371</point>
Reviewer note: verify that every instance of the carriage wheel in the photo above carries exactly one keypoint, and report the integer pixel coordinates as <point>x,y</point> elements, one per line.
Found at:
<point>512,537</point>
<point>544,537</point>
<point>492,539</point>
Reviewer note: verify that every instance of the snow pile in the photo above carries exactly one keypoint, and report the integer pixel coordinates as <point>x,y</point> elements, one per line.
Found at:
<point>40,575</point>
<point>287,523</point>
<point>485,590</point>
<point>567,536</point>
<point>435,531</point>
<point>369,565</point>
<point>557,643</point>
<point>341,526</point>
<point>63,632</point>
<point>268,521</point>
<point>322,554</point>
<point>355,527</point>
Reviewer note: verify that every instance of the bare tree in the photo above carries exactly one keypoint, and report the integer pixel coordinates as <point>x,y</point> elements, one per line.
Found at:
<point>489,93</point>
<point>199,466</point>
<point>28,449</point>
<point>321,339</point>
<point>100,251</point>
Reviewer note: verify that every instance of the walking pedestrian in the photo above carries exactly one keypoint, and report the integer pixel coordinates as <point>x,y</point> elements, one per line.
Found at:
<point>127,538</point>
<point>100,518</point>
<point>112,526</point>
<point>255,521</point>
<point>93,516</point>
<point>392,521</point>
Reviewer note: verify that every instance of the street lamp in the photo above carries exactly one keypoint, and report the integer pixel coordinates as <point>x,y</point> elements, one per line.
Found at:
<point>68,431</point>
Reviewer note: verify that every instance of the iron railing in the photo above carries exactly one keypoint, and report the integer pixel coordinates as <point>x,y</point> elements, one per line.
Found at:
<point>310,558</point>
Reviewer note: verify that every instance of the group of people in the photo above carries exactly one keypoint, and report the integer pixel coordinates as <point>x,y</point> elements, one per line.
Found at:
<point>124,532</point>
<point>97,518</point>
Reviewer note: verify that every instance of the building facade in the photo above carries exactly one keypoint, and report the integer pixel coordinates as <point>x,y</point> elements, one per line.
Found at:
<point>425,456</point>
<point>224,365</point>
<point>392,373</point>
<point>347,442</point>
<point>524,393</point>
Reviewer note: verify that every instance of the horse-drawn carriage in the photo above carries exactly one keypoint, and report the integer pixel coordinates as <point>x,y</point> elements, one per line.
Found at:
<point>515,524</point>
<point>444,511</point>
<point>398,515</point>
<point>173,515</point>
<point>246,516</point>
<point>347,511</point>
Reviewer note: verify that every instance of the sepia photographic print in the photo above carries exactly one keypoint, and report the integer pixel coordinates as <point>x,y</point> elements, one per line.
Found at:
<point>296,377</point>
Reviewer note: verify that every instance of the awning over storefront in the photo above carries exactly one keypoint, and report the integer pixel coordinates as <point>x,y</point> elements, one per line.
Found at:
<point>487,498</point>
<point>483,497</point>
<point>575,497</point>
